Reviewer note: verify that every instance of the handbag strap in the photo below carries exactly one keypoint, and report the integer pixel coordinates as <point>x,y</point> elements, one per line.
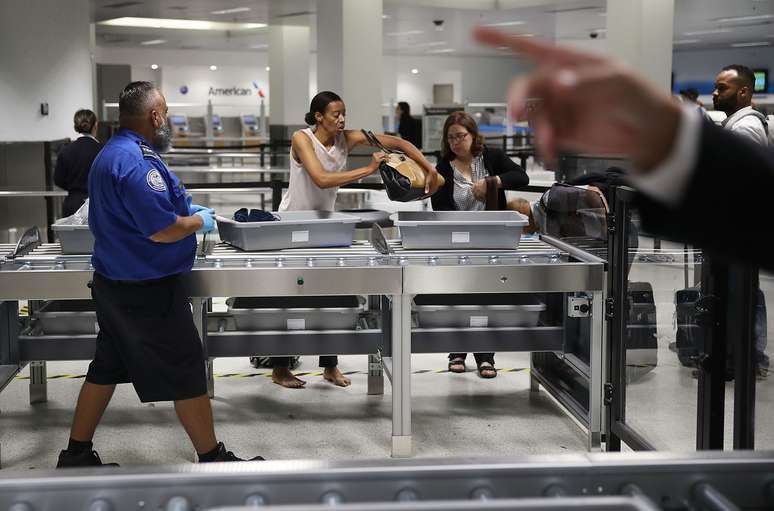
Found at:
<point>491,193</point>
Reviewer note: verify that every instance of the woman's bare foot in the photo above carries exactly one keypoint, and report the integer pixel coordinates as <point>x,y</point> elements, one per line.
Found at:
<point>333,375</point>
<point>283,376</point>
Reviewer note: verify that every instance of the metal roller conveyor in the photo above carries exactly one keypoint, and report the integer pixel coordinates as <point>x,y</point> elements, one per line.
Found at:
<point>631,481</point>
<point>385,331</point>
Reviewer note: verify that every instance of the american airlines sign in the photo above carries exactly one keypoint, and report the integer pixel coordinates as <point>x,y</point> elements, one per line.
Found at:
<point>229,91</point>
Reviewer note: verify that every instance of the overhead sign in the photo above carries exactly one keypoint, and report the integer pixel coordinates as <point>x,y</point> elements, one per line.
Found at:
<point>229,91</point>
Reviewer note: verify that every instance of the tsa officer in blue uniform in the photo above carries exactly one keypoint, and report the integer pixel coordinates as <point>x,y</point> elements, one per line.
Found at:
<point>144,240</point>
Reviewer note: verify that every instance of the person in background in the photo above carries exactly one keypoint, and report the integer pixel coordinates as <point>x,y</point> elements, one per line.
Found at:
<point>733,95</point>
<point>691,96</point>
<point>469,167</point>
<point>318,166</point>
<point>408,128</point>
<point>74,162</point>
<point>486,116</point>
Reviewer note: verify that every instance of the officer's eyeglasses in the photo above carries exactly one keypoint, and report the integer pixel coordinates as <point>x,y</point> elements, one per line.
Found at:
<point>459,137</point>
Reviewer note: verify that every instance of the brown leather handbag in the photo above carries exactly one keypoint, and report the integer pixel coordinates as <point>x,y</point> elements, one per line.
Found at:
<point>404,179</point>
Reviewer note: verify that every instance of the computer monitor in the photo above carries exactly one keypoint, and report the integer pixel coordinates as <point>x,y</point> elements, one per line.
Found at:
<point>761,80</point>
<point>248,119</point>
<point>215,119</point>
<point>178,120</point>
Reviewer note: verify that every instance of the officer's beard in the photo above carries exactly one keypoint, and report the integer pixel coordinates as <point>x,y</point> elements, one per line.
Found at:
<point>162,138</point>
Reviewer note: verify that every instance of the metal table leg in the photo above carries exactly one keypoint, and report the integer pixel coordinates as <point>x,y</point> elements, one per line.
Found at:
<point>534,383</point>
<point>401,377</point>
<point>38,382</point>
<point>596,364</point>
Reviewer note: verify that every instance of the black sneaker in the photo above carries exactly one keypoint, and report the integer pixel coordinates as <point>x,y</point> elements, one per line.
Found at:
<point>83,459</point>
<point>224,455</point>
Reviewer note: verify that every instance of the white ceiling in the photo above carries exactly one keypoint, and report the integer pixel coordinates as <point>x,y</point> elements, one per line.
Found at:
<point>409,28</point>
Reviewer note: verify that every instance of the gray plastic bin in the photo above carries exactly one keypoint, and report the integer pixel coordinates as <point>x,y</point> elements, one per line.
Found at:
<point>460,229</point>
<point>75,239</point>
<point>294,229</point>
<point>491,311</point>
<point>67,317</point>
<point>296,313</point>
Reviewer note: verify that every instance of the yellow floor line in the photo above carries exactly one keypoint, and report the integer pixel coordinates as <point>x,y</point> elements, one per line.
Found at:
<point>268,373</point>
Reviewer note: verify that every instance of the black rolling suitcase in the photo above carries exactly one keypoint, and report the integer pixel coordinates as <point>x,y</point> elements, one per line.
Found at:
<point>690,336</point>
<point>642,317</point>
<point>641,331</point>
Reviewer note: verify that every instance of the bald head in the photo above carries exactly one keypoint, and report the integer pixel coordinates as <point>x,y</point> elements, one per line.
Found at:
<point>143,109</point>
<point>137,98</point>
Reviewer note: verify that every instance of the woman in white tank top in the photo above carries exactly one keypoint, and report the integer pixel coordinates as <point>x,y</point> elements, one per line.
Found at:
<point>318,156</point>
<point>318,163</point>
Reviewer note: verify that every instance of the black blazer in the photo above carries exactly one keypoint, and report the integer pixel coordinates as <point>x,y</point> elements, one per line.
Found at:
<point>727,204</point>
<point>496,163</point>
<point>73,164</point>
<point>411,129</point>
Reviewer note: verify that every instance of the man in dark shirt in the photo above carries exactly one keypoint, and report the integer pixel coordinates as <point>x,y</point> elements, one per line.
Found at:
<point>74,161</point>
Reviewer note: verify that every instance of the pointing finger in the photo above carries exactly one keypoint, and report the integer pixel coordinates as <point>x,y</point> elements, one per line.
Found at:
<point>534,49</point>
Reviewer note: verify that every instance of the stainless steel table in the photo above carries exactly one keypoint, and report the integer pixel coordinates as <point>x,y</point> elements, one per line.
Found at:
<point>536,267</point>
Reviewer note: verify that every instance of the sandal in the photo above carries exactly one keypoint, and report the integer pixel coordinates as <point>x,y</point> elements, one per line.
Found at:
<point>487,370</point>
<point>457,365</point>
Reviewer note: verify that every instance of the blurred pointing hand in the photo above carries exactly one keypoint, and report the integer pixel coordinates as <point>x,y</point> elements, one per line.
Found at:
<point>582,102</point>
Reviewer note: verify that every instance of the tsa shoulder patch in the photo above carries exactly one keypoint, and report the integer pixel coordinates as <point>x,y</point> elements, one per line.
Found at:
<point>147,152</point>
<point>155,181</point>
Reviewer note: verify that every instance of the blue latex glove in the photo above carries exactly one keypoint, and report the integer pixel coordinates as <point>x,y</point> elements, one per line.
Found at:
<point>193,208</point>
<point>208,219</point>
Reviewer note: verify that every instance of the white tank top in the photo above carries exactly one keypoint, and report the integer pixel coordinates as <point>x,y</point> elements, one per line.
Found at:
<point>302,192</point>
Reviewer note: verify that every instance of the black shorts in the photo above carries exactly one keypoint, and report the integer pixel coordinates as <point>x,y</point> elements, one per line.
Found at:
<point>147,337</point>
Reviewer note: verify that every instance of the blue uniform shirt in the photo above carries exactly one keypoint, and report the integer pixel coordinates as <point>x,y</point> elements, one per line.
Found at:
<point>133,195</point>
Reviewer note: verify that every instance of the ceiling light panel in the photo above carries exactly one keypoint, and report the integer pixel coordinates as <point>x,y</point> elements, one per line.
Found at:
<point>752,44</point>
<point>505,24</point>
<point>235,10</point>
<point>711,31</point>
<point>404,33</point>
<point>153,42</point>
<point>745,18</point>
<point>432,43</point>
<point>179,24</point>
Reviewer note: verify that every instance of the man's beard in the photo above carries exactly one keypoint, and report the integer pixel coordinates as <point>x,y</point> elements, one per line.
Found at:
<point>162,138</point>
<point>729,106</point>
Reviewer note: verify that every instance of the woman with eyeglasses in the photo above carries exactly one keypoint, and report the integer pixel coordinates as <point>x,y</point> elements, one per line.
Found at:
<point>466,163</point>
